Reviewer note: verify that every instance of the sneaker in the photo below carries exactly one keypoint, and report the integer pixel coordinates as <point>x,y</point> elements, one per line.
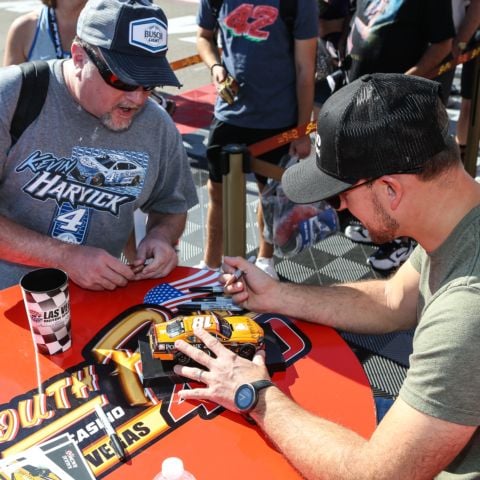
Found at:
<point>391,255</point>
<point>267,265</point>
<point>357,233</point>
<point>203,266</point>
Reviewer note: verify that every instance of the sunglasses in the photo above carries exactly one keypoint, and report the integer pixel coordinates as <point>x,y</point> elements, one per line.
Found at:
<point>335,201</point>
<point>109,77</point>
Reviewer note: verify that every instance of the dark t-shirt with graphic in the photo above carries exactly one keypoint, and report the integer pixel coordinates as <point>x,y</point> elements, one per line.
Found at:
<point>392,35</point>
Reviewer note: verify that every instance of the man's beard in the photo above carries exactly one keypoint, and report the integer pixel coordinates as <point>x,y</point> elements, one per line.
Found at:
<point>121,124</point>
<point>389,226</point>
<point>116,126</point>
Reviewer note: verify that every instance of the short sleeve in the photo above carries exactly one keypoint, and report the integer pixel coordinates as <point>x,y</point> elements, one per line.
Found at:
<point>443,379</point>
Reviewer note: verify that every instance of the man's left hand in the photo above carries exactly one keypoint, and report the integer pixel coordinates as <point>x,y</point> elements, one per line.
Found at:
<point>224,373</point>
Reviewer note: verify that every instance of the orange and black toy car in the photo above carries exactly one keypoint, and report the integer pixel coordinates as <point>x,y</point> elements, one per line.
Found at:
<point>240,334</point>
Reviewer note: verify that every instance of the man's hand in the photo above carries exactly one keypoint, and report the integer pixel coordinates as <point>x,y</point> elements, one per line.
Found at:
<point>255,291</point>
<point>224,373</point>
<point>95,269</point>
<point>301,147</point>
<point>156,258</point>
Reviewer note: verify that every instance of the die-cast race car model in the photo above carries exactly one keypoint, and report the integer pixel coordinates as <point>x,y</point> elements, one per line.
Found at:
<point>240,334</point>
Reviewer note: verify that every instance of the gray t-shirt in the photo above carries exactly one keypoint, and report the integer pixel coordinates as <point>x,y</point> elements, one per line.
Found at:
<point>444,376</point>
<point>71,178</point>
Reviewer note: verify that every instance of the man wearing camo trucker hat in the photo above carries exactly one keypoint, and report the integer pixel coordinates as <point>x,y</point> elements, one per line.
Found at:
<point>98,150</point>
<point>383,152</point>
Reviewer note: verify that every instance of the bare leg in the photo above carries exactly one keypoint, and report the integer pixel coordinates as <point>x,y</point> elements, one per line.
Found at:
<point>214,240</point>
<point>463,121</point>
<point>265,249</point>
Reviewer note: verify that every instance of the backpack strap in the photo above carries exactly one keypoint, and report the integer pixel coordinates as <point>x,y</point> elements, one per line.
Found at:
<point>35,79</point>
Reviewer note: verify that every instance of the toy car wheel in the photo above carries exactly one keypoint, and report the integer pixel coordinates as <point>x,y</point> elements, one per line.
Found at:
<point>247,351</point>
<point>182,359</point>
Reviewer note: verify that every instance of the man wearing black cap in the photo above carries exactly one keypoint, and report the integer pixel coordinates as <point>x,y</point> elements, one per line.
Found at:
<point>383,152</point>
<point>99,149</point>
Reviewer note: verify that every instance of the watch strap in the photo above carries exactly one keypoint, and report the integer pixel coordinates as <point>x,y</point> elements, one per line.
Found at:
<point>261,384</point>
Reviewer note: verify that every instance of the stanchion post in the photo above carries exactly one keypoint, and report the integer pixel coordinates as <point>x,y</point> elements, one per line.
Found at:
<point>471,151</point>
<point>235,163</point>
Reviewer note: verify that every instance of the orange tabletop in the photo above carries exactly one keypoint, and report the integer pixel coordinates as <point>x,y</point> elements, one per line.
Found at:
<point>103,366</point>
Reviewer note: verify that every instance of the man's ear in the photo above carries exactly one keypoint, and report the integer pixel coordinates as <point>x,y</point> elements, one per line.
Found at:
<point>393,189</point>
<point>79,56</point>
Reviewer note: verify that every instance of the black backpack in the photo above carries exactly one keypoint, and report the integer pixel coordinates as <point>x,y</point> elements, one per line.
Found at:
<point>288,11</point>
<point>35,79</point>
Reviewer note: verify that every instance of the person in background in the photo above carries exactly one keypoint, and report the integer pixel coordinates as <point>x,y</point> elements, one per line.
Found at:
<point>333,26</point>
<point>67,200</point>
<point>384,152</point>
<point>467,22</point>
<point>43,34</point>
<point>269,54</point>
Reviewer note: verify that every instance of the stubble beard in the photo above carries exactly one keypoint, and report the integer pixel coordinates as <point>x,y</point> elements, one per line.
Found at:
<point>389,226</point>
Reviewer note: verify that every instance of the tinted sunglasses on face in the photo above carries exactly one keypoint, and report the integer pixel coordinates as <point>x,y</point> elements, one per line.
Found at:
<point>108,76</point>
<point>335,201</point>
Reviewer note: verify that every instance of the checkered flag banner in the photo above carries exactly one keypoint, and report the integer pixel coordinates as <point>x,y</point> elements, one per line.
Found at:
<point>49,315</point>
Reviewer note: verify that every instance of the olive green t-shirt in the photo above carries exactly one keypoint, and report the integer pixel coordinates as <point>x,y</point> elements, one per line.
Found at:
<point>444,376</point>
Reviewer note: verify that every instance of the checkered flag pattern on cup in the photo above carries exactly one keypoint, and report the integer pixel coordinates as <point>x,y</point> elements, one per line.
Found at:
<point>52,335</point>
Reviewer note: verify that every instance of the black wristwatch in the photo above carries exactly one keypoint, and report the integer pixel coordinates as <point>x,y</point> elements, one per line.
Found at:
<point>246,395</point>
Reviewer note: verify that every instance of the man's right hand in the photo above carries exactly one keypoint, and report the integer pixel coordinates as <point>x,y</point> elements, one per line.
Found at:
<point>255,290</point>
<point>95,269</point>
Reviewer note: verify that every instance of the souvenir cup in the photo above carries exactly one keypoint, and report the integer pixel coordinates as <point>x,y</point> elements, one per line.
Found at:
<point>47,302</point>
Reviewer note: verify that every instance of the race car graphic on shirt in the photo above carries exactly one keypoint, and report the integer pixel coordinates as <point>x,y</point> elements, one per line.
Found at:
<point>92,179</point>
<point>107,169</point>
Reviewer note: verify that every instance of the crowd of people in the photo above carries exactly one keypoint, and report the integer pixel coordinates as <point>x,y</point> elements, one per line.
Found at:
<point>384,152</point>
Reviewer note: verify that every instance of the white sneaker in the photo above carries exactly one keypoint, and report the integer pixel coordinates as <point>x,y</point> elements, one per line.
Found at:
<point>267,265</point>
<point>357,233</point>
<point>203,266</point>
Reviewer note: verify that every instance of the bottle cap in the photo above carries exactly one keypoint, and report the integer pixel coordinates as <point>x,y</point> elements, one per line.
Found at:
<point>172,468</point>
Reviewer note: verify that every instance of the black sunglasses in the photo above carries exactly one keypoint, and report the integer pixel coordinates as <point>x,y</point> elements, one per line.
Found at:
<point>108,76</point>
<point>335,201</point>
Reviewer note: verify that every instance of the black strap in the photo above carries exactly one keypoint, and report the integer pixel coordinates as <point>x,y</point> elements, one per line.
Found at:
<point>53,26</point>
<point>35,78</point>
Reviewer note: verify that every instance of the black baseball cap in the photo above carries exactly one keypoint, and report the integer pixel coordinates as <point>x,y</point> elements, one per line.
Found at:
<point>132,36</point>
<point>380,124</point>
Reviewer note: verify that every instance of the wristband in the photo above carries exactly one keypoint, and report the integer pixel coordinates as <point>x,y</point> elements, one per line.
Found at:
<point>215,65</point>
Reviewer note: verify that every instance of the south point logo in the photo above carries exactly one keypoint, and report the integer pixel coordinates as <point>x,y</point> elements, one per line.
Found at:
<point>149,34</point>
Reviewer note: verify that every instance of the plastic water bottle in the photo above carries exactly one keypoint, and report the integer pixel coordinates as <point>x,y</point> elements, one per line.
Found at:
<point>173,469</point>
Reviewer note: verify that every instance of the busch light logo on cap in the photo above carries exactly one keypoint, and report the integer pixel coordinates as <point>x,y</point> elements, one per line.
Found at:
<point>149,34</point>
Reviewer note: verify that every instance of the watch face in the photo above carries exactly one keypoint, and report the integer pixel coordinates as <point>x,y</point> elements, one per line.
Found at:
<point>244,397</point>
